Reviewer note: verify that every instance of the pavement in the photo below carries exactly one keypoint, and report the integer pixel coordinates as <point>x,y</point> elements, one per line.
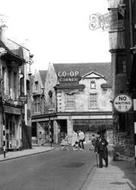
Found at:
<point>119,175</point>
<point>27,152</point>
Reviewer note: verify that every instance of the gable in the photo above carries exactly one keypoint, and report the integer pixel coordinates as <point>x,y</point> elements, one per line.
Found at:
<point>93,75</point>
<point>43,74</point>
<point>37,79</point>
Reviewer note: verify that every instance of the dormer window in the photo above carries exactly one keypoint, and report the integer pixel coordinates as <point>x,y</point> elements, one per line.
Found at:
<point>92,84</point>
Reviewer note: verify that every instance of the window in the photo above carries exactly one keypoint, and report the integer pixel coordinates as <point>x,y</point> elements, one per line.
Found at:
<point>70,101</point>
<point>36,85</point>
<point>15,85</point>
<point>93,101</point>
<point>36,104</point>
<point>92,84</point>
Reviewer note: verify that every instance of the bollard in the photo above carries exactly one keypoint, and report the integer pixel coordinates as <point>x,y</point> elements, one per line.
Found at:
<point>135,140</point>
<point>4,141</point>
<point>134,107</point>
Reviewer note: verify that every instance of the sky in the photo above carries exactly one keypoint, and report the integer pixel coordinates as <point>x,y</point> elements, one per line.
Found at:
<point>57,31</point>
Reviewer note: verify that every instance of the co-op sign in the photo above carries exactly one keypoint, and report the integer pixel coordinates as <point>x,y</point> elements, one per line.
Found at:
<point>122,103</point>
<point>69,76</point>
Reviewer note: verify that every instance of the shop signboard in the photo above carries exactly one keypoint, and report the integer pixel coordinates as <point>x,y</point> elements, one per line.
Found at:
<point>12,110</point>
<point>122,103</point>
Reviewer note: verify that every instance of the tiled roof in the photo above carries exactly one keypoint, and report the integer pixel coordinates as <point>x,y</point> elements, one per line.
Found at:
<point>103,68</point>
<point>43,74</point>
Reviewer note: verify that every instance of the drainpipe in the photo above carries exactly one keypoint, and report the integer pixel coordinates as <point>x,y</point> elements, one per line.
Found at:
<point>25,92</point>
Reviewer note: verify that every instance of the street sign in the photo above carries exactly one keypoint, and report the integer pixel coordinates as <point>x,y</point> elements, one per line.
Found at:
<point>122,103</point>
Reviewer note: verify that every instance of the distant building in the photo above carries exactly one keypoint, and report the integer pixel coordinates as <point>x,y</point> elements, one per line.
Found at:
<point>38,103</point>
<point>77,96</point>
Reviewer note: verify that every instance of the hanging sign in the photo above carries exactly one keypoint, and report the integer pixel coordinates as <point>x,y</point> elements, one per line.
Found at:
<point>122,103</point>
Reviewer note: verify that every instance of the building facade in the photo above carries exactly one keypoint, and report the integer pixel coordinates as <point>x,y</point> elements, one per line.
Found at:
<point>122,39</point>
<point>38,105</point>
<point>15,117</point>
<point>11,108</point>
<point>78,96</point>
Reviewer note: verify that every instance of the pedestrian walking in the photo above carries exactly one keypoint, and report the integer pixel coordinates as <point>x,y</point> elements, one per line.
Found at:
<point>81,137</point>
<point>102,150</point>
<point>40,138</point>
<point>93,140</point>
<point>74,139</point>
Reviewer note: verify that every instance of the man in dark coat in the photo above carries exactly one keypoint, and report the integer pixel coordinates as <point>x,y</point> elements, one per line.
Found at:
<point>102,150</point>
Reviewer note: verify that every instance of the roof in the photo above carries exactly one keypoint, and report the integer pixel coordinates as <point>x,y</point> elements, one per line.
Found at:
<point>43,74</point>
<point>13,49</point>
<point>103,68</point>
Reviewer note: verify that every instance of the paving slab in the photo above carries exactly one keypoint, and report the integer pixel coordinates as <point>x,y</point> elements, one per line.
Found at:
<point>120,175</point>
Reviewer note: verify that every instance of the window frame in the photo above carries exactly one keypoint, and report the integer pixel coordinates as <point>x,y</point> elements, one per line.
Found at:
<point>70,102</point>
<point>93,103</point>
<point>93,85</point>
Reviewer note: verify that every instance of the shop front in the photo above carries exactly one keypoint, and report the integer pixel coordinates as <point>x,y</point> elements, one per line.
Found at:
<point>92,126</point>
<point>13,123</point>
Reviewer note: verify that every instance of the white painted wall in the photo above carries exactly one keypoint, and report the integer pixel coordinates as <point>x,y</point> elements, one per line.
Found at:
<point>82,97</point>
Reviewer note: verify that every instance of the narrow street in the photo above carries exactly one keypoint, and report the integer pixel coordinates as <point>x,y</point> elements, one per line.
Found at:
<point>55,170</point>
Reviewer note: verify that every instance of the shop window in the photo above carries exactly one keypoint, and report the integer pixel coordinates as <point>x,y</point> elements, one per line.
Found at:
<point>93,84</point>
<point>93,101</point>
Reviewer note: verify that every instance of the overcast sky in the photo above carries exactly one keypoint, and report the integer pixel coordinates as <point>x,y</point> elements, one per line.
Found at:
<point>57,30</point>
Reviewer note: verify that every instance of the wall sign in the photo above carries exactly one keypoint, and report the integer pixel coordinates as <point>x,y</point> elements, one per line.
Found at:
<point>122,103</point>
<point>68,76</point>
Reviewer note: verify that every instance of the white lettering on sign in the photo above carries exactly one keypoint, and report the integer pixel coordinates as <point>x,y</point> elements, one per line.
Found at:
<point>68,74</point>
<point>122,103</point>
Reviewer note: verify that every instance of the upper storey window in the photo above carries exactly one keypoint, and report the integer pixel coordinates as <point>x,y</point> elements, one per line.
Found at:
<point>36,85</point>
<point>70,102</point>
<point>93,84</point>
<point>93,101</point>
